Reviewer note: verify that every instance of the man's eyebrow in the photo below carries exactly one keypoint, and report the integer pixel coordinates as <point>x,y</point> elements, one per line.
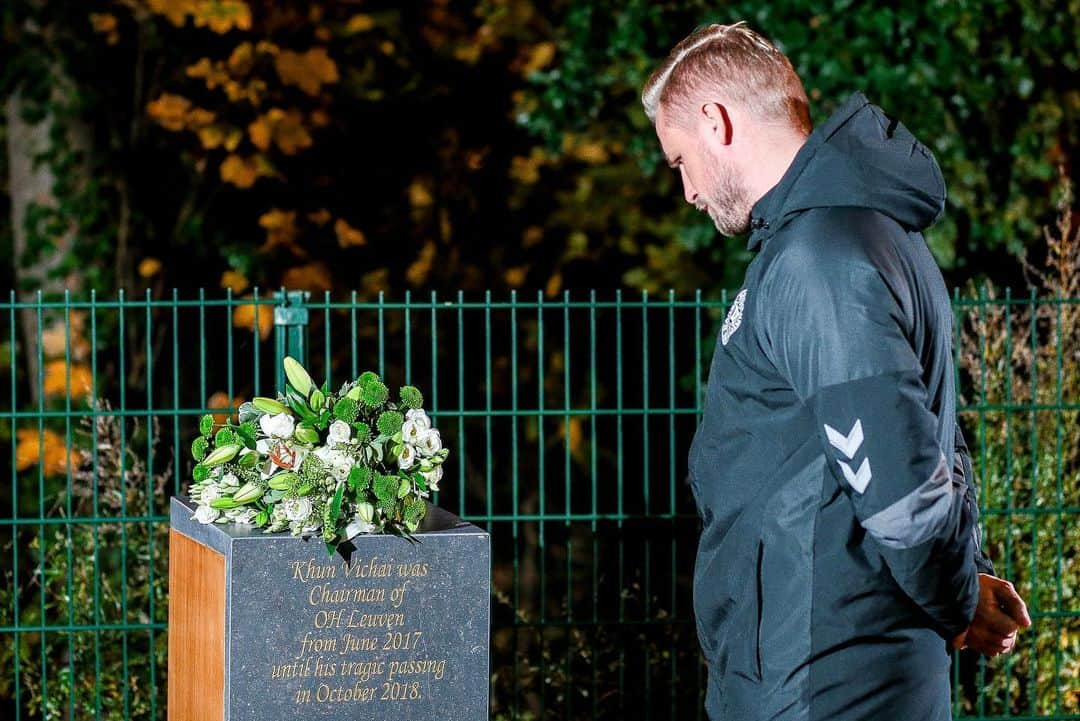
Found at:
<point>673,163</point>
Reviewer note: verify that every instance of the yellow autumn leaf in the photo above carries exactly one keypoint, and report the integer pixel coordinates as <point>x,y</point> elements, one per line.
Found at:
<point>554,285</point>
<point>281,230</point>
<point>221,16</point>
<point>176,11</point>
<point>241,60</point>
<point>149,267</point>
<point>235,280</point>
<point>244,316</point>
<point>532,236</point>
<point>515,277</point>
<point>418,271</point>
<point>105,24</point>
<point>576,438</point>
<point>539,57</point>
<point>212,136</point>
<point>260,132</point>
<point>170,111</point>
<point>311,276</point>
<point>56,379</point>
<point>239,171</point>
<point>320,217</point>
<point>348,236</point>
<point>233,136</point>
<point>48,448</point>
<point>66,337</point>
<point>289,132</point>
<point>419,194</point>
<point>525,169</point>
<point>588,151</point>
<point>199,118</point>
<point>359,24</point>
<point>309,70</point>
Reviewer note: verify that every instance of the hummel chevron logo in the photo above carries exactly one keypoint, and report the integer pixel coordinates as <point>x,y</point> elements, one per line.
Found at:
<point>858,480</point>
<point>846,444</point>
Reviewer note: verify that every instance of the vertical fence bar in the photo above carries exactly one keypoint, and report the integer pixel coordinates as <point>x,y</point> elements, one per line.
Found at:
<point>68,391</point>
<point>290,329</point>
<point>13,367</point>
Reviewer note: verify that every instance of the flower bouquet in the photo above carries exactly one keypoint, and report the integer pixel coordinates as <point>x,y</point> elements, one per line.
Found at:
<point>314,462</point>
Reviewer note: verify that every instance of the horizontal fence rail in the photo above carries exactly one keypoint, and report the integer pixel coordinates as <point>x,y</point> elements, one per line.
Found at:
<point>568,418</point>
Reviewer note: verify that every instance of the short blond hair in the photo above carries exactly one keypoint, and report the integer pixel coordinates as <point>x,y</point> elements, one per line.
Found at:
<point>739,65</point>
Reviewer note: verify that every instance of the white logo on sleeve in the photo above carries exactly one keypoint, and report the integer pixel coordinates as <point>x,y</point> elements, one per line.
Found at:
<point>849,445</point>
<point>734,317</point>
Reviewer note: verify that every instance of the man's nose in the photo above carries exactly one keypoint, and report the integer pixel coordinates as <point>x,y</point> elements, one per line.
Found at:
<point>688,188</point>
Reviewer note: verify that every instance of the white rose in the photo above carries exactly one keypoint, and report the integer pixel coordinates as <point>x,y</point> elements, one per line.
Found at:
<point>341,470</point>
<point>411,431</point>
<point>263,445</point>
<point>430,443</point>
<point>339,432</point>
<point>297,509</point>
<point>230,479</point>
<point>244,516</point>
<point>206,514</point>
<point>407,457</point>
<point>419,418</point>
<point>279,426</point>
<point>433,477</point>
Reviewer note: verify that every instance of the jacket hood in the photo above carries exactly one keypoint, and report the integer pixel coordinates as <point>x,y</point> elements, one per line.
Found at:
<point>859,157</point>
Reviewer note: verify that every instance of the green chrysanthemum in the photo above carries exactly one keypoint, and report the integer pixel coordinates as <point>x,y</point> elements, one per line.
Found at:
<point>411,397</point>
<point>200,473</point>
<point>346,410</point>
<point>414,512</point>
<point>368,378</point>
<point>247,432</point>
<point>199,447</point>
<point>363,432</point>
<point>385,489</point>
<point>225,437</point>
<point>374,394</point>
<point>389,422</point>
<point>359,478</point>
<point>206,425</point>
<point>312,470</point>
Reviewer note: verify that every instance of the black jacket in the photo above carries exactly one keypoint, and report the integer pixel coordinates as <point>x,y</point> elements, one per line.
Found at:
<point>839,547</point>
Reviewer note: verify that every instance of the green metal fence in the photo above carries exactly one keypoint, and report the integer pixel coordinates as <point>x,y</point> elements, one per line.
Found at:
<point>569,419</point>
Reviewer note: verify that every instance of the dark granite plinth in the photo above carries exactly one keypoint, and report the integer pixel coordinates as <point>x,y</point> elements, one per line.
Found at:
<point>390,630</point>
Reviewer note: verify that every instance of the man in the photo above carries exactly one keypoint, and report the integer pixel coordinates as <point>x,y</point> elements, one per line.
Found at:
<point>840,554</point>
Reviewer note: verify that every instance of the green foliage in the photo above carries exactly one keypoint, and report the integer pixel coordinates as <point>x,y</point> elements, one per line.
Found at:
<point>206,425</point>
<point>200,473</point>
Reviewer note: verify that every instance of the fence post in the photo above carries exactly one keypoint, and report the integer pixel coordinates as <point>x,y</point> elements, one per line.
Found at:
<point>290,329</point>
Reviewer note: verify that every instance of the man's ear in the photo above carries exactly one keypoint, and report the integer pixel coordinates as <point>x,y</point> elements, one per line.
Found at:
<point>716,115</point>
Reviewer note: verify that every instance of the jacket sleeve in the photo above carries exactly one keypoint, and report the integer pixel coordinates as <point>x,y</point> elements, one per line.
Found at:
<point>962,467</point>
<point>838,333</point>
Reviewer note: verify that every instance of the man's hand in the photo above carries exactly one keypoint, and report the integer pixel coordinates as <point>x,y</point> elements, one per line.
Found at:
<point>998,617</point>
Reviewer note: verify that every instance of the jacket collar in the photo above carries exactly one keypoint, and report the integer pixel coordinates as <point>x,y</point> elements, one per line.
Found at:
<point>766,213</point>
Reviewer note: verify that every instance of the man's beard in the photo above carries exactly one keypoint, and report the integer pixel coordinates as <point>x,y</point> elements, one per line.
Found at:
<point>726,200</point>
